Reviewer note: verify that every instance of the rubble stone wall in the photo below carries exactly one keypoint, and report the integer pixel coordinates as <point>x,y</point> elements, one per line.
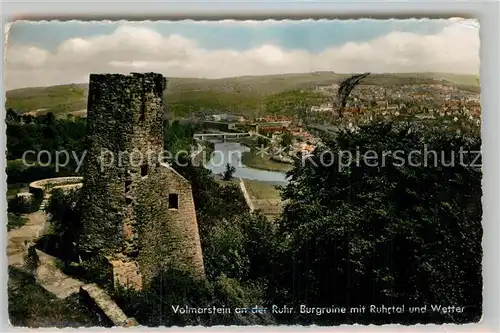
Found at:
<point>43,186</point>
<point>170,237</point>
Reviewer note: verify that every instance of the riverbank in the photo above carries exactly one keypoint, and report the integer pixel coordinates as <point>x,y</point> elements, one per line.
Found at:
<point>231,152</point>
<point>263,196</point>
<point>259,190</point>
<point>252,160</point>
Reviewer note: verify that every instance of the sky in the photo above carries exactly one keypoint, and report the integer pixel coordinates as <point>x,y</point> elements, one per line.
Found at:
<point>51,53</point>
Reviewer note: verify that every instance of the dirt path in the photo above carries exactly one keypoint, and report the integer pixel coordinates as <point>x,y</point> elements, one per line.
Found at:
<point>21,238</point>
<point>48,275</point>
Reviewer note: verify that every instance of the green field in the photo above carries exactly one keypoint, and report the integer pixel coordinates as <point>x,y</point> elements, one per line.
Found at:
<point>265,197</point>
<point>260,190</point>
<point>246,95</point>
<point>252,160</point>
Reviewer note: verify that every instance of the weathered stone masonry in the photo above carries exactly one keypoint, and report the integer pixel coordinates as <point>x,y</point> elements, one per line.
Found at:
<point>139,214</point>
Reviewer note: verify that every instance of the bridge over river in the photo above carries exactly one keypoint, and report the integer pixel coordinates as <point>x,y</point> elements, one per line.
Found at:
<point>223,135</point>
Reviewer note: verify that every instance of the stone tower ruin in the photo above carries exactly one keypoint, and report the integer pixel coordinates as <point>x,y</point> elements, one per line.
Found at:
<point>138,212</point>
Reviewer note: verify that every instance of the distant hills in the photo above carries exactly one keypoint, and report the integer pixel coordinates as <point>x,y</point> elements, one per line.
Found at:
<point>243,94</point>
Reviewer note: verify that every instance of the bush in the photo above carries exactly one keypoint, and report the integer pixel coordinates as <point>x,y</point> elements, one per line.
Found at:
<point>32,306</point>
<point>20,205</point>
<point>224,250</point>
<point>156,305</point>
<point>230,170</point>
<point>15,221</point>
<point>64,209</point>
<point>31,261</point>
<point>96,269</point>
<point>388,234</point>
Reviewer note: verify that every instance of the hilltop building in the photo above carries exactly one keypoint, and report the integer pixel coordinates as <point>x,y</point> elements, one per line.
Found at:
<point>137,212</point>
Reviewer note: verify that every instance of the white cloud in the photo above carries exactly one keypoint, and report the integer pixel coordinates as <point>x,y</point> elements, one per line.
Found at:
<point>26,57</point>
<point>135,48</point>
<point>469,23</point>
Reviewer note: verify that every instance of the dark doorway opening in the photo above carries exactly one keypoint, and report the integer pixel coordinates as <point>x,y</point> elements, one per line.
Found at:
<point>144,170</point>
<point>173,201</point>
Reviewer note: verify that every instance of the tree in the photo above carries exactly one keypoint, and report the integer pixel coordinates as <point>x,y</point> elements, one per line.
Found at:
<point>45,132</point>
<point>213,202</point>
<point>289,102</point>
<point>224,249</point>
<point>261,142</point>
<point>357,234</point>
<point>50,119</point>
<point>27,119</point>
<point>31,261</point>
<point>345,89</point>
<point>286,139</point>
<point>178,136</point>
<point>154,305</point>
<point>12,115</point>
<point>22,205</point>
<point>230,170</point>
<point>64,209</point>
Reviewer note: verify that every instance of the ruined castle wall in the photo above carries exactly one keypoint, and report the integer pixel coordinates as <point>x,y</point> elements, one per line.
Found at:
<point>187,256</point>
<point>170,237</point>
<point>124,115</point>
<point>126,213</point>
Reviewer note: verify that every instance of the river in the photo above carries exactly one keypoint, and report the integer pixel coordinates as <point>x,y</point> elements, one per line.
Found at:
<point>230,152</point>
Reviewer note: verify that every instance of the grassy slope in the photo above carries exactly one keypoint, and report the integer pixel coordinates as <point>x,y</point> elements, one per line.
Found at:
<point>260,190</point>
<point>243,94</point>
<point>58,99</point>
<point>32,306</point>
